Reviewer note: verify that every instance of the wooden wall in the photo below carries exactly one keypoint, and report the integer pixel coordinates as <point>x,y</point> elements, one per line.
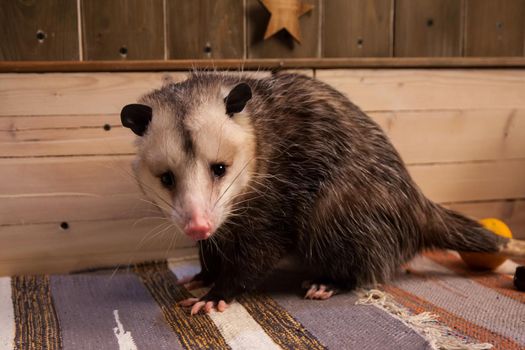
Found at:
<point>68,201</point>
<point>182,29</point>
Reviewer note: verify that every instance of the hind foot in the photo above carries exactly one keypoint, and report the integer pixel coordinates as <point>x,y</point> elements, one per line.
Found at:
<point>319,291</point>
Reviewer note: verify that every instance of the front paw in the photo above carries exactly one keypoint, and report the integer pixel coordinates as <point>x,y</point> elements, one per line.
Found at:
<point>200,280</point>
<point>210,301</point>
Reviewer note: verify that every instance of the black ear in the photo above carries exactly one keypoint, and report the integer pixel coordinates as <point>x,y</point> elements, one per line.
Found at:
<point>136,117</point>
<point>237,98</point>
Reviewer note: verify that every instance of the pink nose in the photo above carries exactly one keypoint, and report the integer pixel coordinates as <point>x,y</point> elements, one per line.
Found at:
<point>198,228</point>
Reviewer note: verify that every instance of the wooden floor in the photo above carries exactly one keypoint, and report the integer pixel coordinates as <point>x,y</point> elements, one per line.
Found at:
<point>65,159</point>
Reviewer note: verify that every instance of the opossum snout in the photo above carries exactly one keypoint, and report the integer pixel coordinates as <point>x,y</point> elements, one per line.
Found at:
<point>199,226</point>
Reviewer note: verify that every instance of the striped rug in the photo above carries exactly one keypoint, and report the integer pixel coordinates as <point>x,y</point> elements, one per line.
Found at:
<point>435,303</point>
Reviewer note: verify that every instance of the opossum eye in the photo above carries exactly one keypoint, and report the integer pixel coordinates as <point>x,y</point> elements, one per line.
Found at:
<point>218,169</point>
<point>167,179</point>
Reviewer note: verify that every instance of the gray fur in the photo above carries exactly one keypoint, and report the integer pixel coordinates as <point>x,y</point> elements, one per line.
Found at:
<point>328,186</point>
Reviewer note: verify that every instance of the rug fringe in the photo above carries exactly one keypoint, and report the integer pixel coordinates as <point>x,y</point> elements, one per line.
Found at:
<point>425,323</point>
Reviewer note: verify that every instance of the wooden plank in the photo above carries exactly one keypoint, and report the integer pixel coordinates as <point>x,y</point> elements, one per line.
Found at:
<point>501,209</point>
<point>67,94</point>
<point>114,261</point>
<point>455,135</point>
<point>381,90</point>
<point>73,94</point>
<point>517,220</point>
<point>66,142</point>
<point>56,208</point>
<point>44,191</point>
<point>495,28</point>
<point>357,28</point>
<point>261,63</point>
<point>512,212</point>
<point>78,93</point>
<point>107,175</point>
<point>471,135</point>
<point>281,45</point>
<point>88,237</point>
<point>428,28</point>
<point>60,133</point>
<point>69,208</point>
<point>89,243</point>
<point>39,30</point>
<point>17,123</point>
<point>457,182</point>
<point>122,29</point>
<point>33,136</point>
<point>205,29</point>
<point>47,248</point>
<point>101,175</point>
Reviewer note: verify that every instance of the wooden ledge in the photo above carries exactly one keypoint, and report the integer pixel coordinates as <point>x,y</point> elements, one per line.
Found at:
<point>251,64</point>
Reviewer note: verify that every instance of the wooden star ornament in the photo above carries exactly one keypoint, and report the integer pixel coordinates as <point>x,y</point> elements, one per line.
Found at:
<point>285,15</point>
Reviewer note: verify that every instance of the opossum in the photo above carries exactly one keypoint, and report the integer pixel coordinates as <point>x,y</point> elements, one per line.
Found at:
<point>255,168</point>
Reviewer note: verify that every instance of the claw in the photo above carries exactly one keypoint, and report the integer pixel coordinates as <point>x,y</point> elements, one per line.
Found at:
<point>209,306</point>
<point>222,306</point>
<point>319,291</point>
<point>311,291</point>
<point>197,307</point>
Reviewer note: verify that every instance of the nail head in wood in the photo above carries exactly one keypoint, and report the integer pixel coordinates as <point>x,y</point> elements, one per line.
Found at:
<point>123,51</point>
<point>40,36</point>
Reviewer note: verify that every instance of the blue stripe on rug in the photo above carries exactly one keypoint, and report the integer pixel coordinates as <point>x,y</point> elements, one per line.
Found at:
<point>86,305</point>
<point>338,322</point>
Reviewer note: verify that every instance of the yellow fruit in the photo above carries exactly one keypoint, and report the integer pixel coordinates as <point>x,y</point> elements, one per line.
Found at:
<point>488,261</point>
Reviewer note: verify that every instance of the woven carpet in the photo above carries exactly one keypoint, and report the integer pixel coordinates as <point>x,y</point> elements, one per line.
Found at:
<point>435,303</point>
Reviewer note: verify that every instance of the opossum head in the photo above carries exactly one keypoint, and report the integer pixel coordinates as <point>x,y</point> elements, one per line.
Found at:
<point>196,150</point>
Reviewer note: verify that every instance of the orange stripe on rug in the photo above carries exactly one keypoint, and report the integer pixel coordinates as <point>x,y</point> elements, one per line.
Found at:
<point>284,330</point>
<point>418,305</point>
<point>36,322</point>
<point>498,282</point>
<point>268,317</point>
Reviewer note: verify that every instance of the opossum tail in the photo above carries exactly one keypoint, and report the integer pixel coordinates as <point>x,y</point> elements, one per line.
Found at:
<point>451,230</point>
